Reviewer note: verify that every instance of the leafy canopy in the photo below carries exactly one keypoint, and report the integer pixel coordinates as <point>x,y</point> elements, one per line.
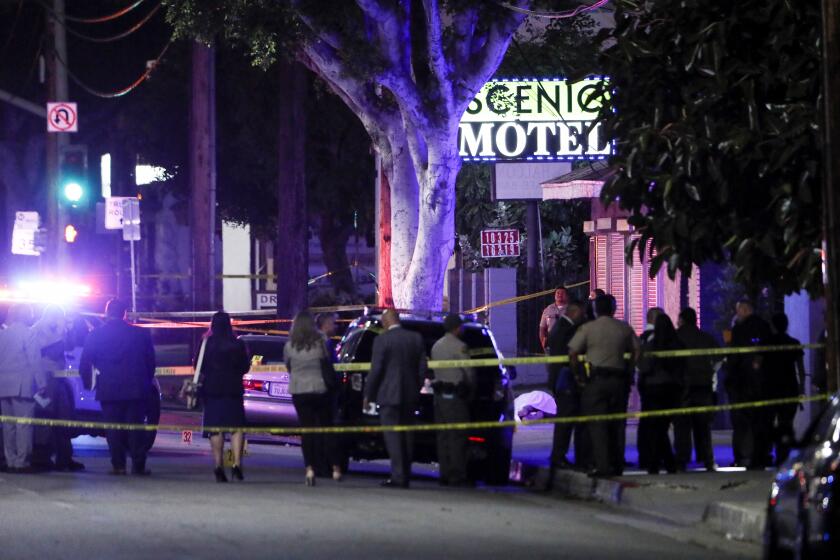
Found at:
<point>715,112</point>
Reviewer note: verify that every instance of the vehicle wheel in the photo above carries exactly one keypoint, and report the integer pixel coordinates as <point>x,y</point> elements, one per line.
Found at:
<point>152,417</point>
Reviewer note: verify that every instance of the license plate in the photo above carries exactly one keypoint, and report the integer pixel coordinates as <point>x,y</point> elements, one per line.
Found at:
<point>278,390</point>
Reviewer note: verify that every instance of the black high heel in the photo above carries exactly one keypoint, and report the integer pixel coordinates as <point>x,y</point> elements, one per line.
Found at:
<point>220,474</point>
<point>236,473</point>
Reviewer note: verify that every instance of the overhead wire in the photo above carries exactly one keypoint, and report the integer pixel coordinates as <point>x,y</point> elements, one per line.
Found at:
<point>109,17</point>
<point>119,93</point>
<point>555,15</point>
<point>112,38</point>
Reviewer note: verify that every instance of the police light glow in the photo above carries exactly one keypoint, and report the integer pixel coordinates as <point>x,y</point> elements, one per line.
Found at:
<point>46,291</point>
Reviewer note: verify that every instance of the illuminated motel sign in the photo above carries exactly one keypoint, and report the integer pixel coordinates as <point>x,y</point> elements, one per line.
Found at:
<point>533,120</point>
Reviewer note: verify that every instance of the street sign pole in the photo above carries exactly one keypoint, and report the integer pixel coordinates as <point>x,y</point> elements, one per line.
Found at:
<point>131,233</point>
<point>133,278</point>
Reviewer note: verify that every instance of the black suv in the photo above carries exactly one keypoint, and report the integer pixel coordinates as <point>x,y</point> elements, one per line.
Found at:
<point>489,449</point>
<point>803,512</point>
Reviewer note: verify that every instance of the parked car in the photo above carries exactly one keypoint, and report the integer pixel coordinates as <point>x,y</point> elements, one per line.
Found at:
<point>267,401</point>
<point>803,512</point>
<point>87,408</point>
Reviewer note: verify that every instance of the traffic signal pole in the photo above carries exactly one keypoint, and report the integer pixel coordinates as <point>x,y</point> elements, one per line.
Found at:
<point>56,141</point>
<point>831,184</point>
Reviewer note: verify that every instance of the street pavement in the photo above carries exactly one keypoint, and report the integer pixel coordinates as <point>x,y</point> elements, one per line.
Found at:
<point>180,512</point>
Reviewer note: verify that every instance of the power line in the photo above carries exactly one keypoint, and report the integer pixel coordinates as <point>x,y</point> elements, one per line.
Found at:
<point>119,93</point>
<point>555,15</point>
<point>109,17</point>
<point>112,38</point>
<point>12,32</point>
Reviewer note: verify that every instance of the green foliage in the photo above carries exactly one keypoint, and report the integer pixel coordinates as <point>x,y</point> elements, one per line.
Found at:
<point>715,112</point>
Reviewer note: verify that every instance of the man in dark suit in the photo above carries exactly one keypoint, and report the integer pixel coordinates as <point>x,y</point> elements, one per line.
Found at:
<point>125,358</point>
<point>745,382</point>
<point>564,386</point>
<point>397,373</point>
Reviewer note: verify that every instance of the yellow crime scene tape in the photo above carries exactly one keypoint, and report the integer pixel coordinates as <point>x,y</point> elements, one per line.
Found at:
<point>178,371</point>
<point>526,297</point>
<point>49,422</point>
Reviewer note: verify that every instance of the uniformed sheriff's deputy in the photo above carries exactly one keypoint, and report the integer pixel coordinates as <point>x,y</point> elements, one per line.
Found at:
<point>605,341</point>
<point>454,388</point>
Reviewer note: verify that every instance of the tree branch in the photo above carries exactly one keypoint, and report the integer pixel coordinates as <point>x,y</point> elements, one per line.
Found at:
<point>437,57</point>
<point>483,62</point>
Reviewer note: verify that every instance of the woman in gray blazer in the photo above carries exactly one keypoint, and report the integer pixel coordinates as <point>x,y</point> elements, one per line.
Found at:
<point>304,355</point>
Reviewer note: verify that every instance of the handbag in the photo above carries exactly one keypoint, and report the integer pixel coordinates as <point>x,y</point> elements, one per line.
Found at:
<point>191,387</point>
<point>328,371</point>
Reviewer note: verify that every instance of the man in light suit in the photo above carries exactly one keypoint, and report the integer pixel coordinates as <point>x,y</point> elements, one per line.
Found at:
<point>454,389</point>
<point>397,373</point>
<point>125,358</point>
<point>20,379</point>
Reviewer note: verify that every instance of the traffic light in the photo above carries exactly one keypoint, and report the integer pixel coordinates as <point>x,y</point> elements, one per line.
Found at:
<point>73,186</point>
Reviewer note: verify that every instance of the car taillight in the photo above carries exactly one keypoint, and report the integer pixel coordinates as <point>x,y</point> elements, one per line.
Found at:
<point>254,385</point>
<point>476,439</point>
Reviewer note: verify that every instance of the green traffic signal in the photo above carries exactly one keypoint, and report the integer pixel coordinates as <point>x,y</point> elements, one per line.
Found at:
<point>73,184</point>
<point>73,191</point>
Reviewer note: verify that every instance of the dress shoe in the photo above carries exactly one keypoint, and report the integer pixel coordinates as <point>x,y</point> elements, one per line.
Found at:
<point>219,472</point>
<point>72,466</point>
<point>390,483</point>
<point>711,467</point>
<point>236,473</point>
<point>117,471</point>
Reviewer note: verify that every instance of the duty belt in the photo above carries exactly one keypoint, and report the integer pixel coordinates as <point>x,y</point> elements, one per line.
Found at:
<point>607,372</point>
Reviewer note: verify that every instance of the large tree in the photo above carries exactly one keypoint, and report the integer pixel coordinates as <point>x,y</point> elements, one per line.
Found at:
<point>407,69</point>
<point>715,112</point>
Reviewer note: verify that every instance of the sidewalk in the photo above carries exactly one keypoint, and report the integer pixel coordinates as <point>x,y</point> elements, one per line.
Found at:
<point>730,502</point>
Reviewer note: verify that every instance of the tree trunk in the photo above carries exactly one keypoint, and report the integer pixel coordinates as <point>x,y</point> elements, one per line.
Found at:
<point>385,296</point>
<point>433,241</point>
<point>292,243</point>
<point>333,237</point>
<point>203,175</point>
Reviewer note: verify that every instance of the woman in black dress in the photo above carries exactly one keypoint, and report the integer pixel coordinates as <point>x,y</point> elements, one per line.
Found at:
<point>225,362</point>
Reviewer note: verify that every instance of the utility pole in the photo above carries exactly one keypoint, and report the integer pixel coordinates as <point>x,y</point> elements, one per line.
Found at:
<point>203,176</point>
<point>56,141</point>
<point>831,184</point>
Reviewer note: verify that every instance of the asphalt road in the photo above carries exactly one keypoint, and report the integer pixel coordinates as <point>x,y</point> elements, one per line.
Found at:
<point>180,512</point>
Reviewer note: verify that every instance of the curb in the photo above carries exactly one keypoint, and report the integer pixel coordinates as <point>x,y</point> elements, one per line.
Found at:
<point>736,521</point>
<point>572,484</point>
<point>732,520</point>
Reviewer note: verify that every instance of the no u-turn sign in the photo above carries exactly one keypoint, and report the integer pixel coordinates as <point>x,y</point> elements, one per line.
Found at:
<point>62,117</point>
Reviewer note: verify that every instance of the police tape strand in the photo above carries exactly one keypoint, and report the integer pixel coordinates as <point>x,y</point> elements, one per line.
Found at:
<point>460,426</point>
<point>181,371</point>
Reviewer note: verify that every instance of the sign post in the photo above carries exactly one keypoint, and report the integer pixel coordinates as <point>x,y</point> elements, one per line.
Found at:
<point>24,234</point>
<point>131,233</point>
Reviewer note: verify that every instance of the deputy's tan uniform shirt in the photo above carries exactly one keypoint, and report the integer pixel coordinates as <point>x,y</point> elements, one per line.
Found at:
<point>605,341</point>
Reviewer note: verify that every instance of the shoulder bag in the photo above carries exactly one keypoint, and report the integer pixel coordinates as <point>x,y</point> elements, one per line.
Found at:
<point>191,387</point>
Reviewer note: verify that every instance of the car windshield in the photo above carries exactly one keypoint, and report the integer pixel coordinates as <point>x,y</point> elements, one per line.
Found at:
<point>270,349</point>
<point>823,428</point>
